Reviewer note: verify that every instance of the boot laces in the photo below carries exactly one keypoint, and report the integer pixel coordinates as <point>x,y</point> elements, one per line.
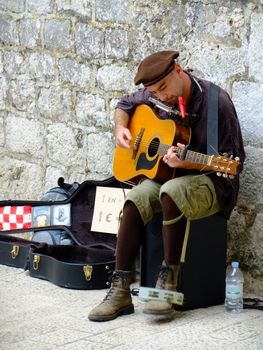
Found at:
<point>114,279</point>
<point>109,294</point>
<point>164,273</point>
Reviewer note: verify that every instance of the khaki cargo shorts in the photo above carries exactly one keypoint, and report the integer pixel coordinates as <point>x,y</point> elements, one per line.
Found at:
<point>194,195</point>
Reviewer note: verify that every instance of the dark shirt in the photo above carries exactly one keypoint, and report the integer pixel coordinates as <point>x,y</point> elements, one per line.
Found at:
<point>229,133</point>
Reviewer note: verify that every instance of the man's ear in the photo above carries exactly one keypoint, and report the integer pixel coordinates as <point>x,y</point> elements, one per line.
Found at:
<point>177,68</point>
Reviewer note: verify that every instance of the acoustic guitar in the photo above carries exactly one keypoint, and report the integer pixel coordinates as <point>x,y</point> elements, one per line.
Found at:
<point>151,138</point>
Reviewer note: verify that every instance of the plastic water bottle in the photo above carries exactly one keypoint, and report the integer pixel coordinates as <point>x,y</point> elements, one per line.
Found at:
<point>234,289</point>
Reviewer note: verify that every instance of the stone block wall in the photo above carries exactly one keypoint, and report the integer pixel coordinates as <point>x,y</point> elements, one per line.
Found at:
<point>65,63</point>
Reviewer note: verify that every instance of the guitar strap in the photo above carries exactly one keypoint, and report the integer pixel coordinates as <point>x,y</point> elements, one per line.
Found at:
<point>212,144</point>
<point>212,120</point>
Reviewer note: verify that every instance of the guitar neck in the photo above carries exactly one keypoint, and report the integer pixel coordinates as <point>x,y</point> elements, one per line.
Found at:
<point>191,156</point>
<point>198,158</point>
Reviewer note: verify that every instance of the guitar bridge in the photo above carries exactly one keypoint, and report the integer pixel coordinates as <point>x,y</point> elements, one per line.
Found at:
<point>137,143</point>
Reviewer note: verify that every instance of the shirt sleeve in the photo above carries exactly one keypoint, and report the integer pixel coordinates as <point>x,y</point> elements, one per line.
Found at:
<point>130,102</point>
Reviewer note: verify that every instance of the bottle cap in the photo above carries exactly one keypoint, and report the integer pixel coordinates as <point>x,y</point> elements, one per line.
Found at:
<point>235,264</point>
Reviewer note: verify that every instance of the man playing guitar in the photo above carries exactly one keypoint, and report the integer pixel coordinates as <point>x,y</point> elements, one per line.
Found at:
<point>192,191</point>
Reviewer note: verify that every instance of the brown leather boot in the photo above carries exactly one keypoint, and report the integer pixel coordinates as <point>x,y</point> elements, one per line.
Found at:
<point>118,300</point>
<point>167,279</point>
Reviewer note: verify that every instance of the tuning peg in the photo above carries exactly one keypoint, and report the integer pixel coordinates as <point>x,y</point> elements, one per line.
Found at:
<point>225,154</point>
<point>225,175</point>
<point>231,177</point>
<point>219,174</point>
<point>237,159</point>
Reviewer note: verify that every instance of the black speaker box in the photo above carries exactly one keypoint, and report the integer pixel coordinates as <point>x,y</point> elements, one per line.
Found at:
<point>202,276</point>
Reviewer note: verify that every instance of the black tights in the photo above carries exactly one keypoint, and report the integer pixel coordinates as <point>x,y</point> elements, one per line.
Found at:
<point>131,233</point>
<point>129,237</point>
<point>173,235</point>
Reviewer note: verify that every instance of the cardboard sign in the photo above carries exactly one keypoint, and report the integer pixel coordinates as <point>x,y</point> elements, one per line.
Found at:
<point>108,205</point>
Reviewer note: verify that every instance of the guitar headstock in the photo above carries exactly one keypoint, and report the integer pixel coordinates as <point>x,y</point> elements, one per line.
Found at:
<point>225,166</point>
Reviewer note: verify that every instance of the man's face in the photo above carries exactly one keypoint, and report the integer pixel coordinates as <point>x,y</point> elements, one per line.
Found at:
<point>169,88</point>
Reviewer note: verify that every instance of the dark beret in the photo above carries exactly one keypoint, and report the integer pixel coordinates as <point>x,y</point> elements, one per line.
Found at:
<point>155,67</point>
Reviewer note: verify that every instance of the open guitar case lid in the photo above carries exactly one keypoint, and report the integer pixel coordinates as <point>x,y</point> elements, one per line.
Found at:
<point>86,264</point>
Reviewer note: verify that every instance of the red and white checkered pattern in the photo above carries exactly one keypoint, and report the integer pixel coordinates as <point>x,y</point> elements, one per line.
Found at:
<point>15,217</point>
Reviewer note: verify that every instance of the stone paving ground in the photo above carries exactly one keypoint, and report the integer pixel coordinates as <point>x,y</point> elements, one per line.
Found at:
<point>36,314</point>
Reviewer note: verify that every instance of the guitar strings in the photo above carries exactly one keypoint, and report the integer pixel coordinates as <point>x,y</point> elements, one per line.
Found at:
<point>161,149</point>
<point>155,145</point>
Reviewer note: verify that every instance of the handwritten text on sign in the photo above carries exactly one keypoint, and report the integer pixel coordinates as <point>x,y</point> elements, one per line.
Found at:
<point>108,205</point>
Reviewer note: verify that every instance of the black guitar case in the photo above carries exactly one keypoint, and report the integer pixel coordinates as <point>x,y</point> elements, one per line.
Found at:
<point>85,264</point>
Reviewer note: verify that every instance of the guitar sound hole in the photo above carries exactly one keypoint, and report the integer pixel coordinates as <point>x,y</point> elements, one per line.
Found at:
<point>153,147</point>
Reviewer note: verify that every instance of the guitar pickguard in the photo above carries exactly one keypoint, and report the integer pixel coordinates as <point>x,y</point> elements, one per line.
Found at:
<point>144,163</point>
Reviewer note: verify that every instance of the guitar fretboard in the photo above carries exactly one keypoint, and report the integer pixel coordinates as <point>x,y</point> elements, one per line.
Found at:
<point>190,156</point>
<point>199,158</point>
